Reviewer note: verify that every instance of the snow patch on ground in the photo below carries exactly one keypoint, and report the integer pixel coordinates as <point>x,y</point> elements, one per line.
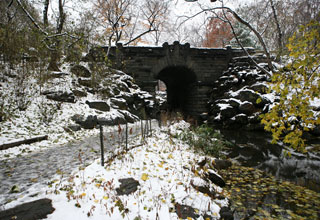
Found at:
<point>47,117</point>
<point>163,167</point>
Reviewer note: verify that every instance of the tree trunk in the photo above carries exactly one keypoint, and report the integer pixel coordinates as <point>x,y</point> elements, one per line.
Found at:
<point>45,13</point>
<point>56,53</point>
<point>280,47</point>
<point>54,59</point>
<point>266,51</point>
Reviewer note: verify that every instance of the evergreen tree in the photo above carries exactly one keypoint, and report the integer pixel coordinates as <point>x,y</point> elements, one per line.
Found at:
<point>244,36</point>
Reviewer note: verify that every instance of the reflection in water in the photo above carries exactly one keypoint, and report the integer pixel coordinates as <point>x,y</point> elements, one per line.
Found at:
<point>254,149</point>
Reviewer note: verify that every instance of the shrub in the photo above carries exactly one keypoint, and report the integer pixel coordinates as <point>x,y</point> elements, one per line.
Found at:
<point>206,139</point>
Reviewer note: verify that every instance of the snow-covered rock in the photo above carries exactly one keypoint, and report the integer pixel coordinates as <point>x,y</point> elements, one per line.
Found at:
<point>239,94</point>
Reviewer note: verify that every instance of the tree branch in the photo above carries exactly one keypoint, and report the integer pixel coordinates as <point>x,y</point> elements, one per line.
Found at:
<point>238,18</point>
<point>242,47</point>
<point>31,18</point>
<point>140,35</point>
<point>278,28</point>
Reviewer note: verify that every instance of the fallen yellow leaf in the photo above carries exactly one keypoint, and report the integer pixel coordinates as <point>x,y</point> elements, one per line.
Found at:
<point>144,177</point>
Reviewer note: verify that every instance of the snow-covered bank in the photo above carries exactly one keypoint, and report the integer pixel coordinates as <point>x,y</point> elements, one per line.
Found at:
<point>39,114</point>
<point>166,169</point>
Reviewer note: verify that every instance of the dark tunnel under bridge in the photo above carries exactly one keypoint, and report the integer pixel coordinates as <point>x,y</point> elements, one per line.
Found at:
<point>180,82</point>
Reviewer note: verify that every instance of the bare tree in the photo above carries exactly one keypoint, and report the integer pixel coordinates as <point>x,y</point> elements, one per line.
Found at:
<point>128,20</point>
<point>155,15</point>
<point>236,16</point>
<point>116,15</point>
<point>277,20</point>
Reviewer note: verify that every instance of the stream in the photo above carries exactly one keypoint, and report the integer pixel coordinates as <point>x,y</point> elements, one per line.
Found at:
<point>269,184</point>
<point>254,149</point>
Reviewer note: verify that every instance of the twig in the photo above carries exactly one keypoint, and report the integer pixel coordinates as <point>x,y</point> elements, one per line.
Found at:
<point>238,18</point>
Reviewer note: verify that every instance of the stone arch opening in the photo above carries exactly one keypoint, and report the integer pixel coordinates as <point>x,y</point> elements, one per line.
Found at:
<point>179,81</point>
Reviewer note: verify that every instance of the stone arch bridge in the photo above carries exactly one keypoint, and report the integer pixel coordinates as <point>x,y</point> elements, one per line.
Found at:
<point>188,73</point>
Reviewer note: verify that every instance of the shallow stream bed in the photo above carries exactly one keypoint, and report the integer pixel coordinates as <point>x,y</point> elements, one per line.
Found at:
<point>267,184</point>
<point>254,149</point>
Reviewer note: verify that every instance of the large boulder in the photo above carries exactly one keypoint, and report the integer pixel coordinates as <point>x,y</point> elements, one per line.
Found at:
<point>60,96</point>
<point>118,119</point>
<point>127,186</point>
<point>215,178</point>
<point>99,105</point>
<point>120,103</point>
<point>80,71</point>
<point>89,122</point>
<point>38,209</point>
<point>74,127</point>
<point>247,108</point>
<point>222,164</point>
<point>202,186</point>
<point>260,88</point>
<point>128,97</point>
<point>249,95</point>
<point>228,112</point>
<point>130,118</point>
<point>79,92</point>
<point>241,119</point>
<point>87,82</point>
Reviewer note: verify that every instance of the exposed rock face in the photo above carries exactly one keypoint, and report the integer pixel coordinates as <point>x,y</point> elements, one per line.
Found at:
<point>60,96</point>
<point>74,127</point>
<point>57,74</point>
<point>120,103</point>
<point>185,211</point>
<point>128,186</point>
<point>238,96</point>
<point>92,121</point>
<point>226,213</point>
<point>112,121</point>
<point>99,105</point>
<point>38,209</point>
<point>247,108</point>
<point>79,92</point>
<point>80,71</point>
<point>129,117</point>
<point>114,86</point>
<point>215,178</point>
<point>87,82</point>
<point>203,187</point>
<point>222,164</point>
<point>87,123</point>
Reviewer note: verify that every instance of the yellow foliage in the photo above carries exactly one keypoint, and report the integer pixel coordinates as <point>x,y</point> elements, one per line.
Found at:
<point>297,85</point>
